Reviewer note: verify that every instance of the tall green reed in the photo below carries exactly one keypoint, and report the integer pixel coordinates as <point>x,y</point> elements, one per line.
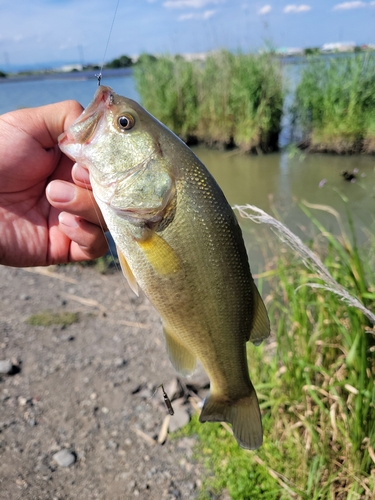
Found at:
<point>230,99</point>
<point>335,104</point>
<point>168,90</point>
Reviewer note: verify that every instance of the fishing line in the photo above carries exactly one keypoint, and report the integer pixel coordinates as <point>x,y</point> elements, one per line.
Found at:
<point>118,268</point>
<point>99,76</point>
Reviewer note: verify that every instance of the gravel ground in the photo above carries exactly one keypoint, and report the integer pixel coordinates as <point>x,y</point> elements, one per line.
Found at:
<point>79,415</point>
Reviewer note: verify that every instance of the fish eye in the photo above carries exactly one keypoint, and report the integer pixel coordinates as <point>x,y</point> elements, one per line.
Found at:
<point>126,121</point>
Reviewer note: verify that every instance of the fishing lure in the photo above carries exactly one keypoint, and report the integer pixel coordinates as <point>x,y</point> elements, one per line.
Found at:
<point>167,401</point>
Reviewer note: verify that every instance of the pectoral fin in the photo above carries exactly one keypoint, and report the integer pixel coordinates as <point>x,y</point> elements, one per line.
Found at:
<point>127,272</point>
<point>181,358</point>
<point>160,254</point>
<point>261,323</point>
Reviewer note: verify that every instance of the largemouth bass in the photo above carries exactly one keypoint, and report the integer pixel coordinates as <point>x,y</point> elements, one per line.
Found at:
<point>178,238</point>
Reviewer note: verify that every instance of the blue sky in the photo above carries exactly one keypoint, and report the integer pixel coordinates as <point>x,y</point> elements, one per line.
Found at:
<point>34,32</point>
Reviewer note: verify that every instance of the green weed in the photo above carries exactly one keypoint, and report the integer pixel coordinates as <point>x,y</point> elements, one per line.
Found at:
<point>49,318</point>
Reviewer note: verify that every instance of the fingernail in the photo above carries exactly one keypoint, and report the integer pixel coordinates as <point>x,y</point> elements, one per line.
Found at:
<point>61,192</point>
<point>67,219</point>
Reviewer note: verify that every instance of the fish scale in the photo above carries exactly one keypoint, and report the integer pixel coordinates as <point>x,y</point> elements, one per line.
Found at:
<point>179,240</point>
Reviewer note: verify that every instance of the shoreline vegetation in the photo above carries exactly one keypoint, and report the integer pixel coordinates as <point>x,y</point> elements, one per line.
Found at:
<point>238,101</point>
<point>334,105</point>
<point>230,100</point>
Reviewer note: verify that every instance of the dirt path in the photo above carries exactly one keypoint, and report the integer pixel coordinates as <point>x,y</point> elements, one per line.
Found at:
<point>74,391</point>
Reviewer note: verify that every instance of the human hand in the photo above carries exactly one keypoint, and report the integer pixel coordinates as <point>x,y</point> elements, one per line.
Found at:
<point>47,214</point>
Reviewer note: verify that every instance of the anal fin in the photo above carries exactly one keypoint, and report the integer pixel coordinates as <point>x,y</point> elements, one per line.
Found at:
<point>127,272</point>
<point>181,358</point>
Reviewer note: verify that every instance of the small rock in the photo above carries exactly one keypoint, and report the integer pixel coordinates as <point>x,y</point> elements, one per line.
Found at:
<point>145,393</point>
<point>6,367</point>
<point>181,417</point>
<point>203,393</point>
<point>64,458</point>
<point>174,389</point>
<point>67,338</point>
<point>119,362</point>
<point>174,491</point>
<point>23,296</point>
<point>112,444</point>
<point>22,401</point>
<point>105,410</point>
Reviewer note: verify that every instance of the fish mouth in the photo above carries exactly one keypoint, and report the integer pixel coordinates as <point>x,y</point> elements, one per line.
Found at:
<point>82,130</point>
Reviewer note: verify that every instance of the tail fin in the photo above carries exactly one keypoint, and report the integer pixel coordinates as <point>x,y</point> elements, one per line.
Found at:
<point>243,414</point>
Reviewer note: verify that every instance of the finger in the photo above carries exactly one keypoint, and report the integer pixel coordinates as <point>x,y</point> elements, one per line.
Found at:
<point>45,123</point>
<point>81,176</point>
<point>88,240</point>
<point>53,119</point>
<point>68,197</point>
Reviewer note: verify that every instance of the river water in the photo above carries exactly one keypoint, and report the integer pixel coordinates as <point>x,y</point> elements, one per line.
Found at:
<point>279,180</point>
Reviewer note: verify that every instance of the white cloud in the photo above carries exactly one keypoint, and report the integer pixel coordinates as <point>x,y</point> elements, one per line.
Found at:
<point>265,10</point>
<point>207,14</point>
<point>192,4</point>
<point>296,8</point>
<point>350,5</point>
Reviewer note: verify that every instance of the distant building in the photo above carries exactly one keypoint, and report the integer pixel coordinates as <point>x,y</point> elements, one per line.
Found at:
<point>67,68</point>
<point>339,47</point>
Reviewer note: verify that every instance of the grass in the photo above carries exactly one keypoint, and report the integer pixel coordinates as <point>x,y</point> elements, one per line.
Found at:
<point>229,100</point>
<point>315,383</point>
<point>335,104</point>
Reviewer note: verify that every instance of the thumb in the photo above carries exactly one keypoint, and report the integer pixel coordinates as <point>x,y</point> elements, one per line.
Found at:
<point>45,123</point>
